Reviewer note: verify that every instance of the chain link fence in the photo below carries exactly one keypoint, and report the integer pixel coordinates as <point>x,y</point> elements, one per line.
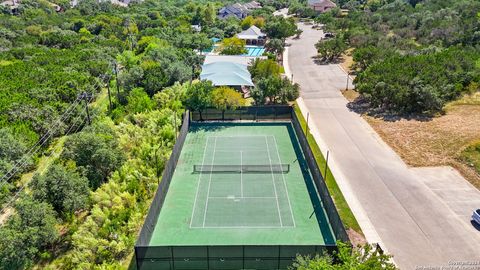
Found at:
<point>235,256</point>
<point>251,113</point>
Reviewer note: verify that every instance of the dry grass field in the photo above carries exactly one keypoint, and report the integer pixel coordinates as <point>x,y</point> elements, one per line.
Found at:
<point>449,139</point>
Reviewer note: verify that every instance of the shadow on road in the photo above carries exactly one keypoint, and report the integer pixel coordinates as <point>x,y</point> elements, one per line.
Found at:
<point>322,61</point>
<point>361,106</point>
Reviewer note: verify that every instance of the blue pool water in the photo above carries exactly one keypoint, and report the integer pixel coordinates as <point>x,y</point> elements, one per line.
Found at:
<point>255,50</point>
<point>251,50</point>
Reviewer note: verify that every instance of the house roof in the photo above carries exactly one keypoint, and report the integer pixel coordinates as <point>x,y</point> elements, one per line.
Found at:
<point>233,9</point>
<point>238,8</point>
<point>252,5</point>
<point>325,3</point>
<point>239,59</point>
<point>226,73</point>
<point>251,33</point>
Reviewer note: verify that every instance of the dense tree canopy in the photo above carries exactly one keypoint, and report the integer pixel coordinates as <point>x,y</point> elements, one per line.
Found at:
<point>63,188</point>
<point>410,56</point>
<point>347,258</point>
<point>96,152</point>
<point>136,69</point>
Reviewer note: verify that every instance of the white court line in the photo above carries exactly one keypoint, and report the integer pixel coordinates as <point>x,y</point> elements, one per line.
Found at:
<point>209,183</point>
<point>273,181</point>
<point>232,198</point>
<point>198,184</point>
<point>244,227</point>
<point>238,136</point>
<point>284,183</point>
<point>241,174</point>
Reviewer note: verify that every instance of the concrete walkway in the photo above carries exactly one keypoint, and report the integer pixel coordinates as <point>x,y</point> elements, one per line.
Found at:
<point>418,221</point>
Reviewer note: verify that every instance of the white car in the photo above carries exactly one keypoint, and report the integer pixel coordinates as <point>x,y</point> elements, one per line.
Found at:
<point>476,216</point>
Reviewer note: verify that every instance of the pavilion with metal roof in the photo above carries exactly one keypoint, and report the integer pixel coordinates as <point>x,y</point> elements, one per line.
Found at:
<point>227,74</point>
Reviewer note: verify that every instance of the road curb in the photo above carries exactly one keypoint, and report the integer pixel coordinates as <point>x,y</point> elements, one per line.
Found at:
<point>368,230</point>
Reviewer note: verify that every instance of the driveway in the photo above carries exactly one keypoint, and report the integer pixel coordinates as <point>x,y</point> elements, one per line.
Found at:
<point>418,215</point>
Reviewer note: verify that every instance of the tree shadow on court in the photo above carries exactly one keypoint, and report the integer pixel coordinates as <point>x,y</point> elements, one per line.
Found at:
<point>320,214</point>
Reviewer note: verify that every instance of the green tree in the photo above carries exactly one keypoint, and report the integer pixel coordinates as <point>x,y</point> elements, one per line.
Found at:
<point>275,90</point>
<point>63,188</point>
<point>139,101</point>
<point>28,232</point>
<point>280,28</point>
<point>331,49</point>
<point>225,98</point>
<point>264,68</point>
<point>11,152</point>
<point>233,46</point>
<point>94,151</point>
<point>198,96</point>
<point>247,22</point>
<point>366,257</point>
<point>276,46</point>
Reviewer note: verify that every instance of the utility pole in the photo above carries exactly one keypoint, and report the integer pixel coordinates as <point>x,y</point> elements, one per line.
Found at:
<point>115,71</point>
<point>109,95</point>
<point>348,78</point>
<point>326,166</point>
<point>85,96</point>
<point>306,126</point>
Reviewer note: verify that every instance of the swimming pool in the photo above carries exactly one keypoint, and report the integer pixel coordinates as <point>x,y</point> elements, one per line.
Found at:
<point>252,51</point>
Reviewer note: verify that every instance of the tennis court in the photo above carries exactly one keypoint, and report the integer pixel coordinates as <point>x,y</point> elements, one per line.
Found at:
<point>241,184</point>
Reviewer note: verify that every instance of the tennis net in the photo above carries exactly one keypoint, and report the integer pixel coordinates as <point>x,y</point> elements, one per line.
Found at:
<point>216,168</point>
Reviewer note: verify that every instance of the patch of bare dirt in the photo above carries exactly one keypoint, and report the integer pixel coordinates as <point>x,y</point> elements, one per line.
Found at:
<point>350,95</point>
<point>434,142</point>
<point>347,60</point>
<point>356,238</point>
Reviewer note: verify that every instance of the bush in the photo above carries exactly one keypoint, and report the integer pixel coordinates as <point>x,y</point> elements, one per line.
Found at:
<point>233,46</point>
<point>63,188</point>
<point>418,83</point>
<point>95,151</point>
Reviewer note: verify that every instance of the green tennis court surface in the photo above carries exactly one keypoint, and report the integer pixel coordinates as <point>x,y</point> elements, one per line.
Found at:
<point>241,184</point>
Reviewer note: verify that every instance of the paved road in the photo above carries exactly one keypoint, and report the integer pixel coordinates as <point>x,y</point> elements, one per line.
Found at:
<point>402,208</point>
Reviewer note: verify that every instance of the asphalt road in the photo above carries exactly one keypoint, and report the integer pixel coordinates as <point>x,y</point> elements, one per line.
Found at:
<point>397,206</point>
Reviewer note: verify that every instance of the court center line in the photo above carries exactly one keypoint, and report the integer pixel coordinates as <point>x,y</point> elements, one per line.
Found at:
<point>284,182</point>
<point>198,184</point>
<point>209,183</point>
<point>241,174</point>
<point>273,181</point>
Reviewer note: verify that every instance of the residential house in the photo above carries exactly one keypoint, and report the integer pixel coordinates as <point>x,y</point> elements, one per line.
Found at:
<point>321,5</point>
<point>196,27</point>
<point>253,36</point>
<point>238,10</point>
<point>252,5</point>
<point>12,5</point>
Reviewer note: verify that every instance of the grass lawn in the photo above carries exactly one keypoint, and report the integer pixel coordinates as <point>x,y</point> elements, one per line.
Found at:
<point>471,155</point>
<point>344,211</point>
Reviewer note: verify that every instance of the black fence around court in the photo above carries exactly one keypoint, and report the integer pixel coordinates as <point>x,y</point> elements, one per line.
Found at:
<point>235,256</point>
<point>157,203</point>
<point>250,113</point>
<point>332,213</point>
<point>225,257</point>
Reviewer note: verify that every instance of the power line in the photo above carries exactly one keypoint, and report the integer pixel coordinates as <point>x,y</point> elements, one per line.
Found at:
<point>22,162</point>
<point>37,146</point>
<point>54,154</point>
<point>56,151</point>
